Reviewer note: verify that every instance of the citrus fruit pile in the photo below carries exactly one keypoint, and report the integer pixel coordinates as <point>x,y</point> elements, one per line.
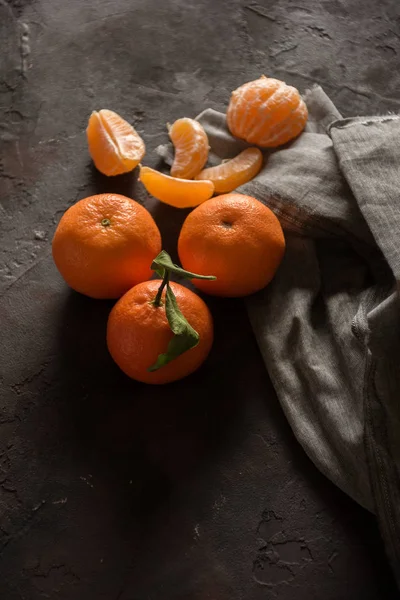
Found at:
<point>109,246</point>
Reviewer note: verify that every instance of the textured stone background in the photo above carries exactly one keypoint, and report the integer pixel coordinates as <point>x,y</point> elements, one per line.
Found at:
<point>110,489</point>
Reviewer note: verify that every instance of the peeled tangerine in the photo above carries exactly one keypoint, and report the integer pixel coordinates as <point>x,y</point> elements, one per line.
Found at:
<point>230,174</point>
<point>266,112</point>
<point>114,145</point>
<point>191,148</point>
<point>181,193</point>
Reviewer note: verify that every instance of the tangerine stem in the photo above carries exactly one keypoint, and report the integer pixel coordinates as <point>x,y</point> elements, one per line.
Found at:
<point>165,281</point>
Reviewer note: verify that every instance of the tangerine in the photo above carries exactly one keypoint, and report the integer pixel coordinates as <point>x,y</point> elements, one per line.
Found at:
<point>266,112</point>
<point>114,145</point>
<point>181,193</point>
<point>232,173</point>
<point>191,148</point>
<point>235,237</point>
<point>105,244</point>
<point>138,332</point>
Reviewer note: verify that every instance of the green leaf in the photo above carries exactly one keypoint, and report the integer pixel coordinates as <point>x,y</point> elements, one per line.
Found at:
<point>185,337</point>
<point>160,271</point>
<point>163,261</point>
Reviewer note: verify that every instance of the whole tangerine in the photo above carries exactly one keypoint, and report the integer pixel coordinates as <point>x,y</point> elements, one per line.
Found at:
<point>266,112</point>
<point>235,237</point>
<point>138,332</point>
<point>105,244</point>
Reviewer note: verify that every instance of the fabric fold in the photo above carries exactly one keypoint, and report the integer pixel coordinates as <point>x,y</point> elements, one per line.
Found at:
<point>328,326</point>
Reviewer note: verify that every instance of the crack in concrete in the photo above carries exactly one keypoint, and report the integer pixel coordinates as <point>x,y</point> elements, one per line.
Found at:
<point>259,10</point>
<point>18,387</point>
<point>21,275</point>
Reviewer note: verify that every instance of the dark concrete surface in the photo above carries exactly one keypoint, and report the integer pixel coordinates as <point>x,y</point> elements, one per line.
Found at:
<point>111,490</point>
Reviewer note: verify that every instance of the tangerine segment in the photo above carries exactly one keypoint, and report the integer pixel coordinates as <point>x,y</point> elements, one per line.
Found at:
<point>266,112</point>
<point>114,145</point>
<point>235,172</point>
<point>191,148</point>
<point>181,193</point>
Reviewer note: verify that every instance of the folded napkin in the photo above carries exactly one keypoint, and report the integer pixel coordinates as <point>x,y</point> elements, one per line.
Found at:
<point>328,326</point>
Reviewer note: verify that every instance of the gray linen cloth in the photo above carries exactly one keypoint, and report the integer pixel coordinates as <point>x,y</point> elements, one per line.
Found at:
<point>328,326</point>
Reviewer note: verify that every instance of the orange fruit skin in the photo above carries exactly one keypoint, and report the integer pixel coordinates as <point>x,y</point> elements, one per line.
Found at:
<point>105,260</point>
<point>191,148</point>
<point>237,239</point>
<point>266,112</point>
<point>114,145</point>
<point>137,332</point>
<point>229,175</point>
<point>180,193</point>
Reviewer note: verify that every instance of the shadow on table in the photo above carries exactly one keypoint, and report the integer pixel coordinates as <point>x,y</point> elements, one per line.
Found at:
<point>115,476</point>
<point>151,436</point>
